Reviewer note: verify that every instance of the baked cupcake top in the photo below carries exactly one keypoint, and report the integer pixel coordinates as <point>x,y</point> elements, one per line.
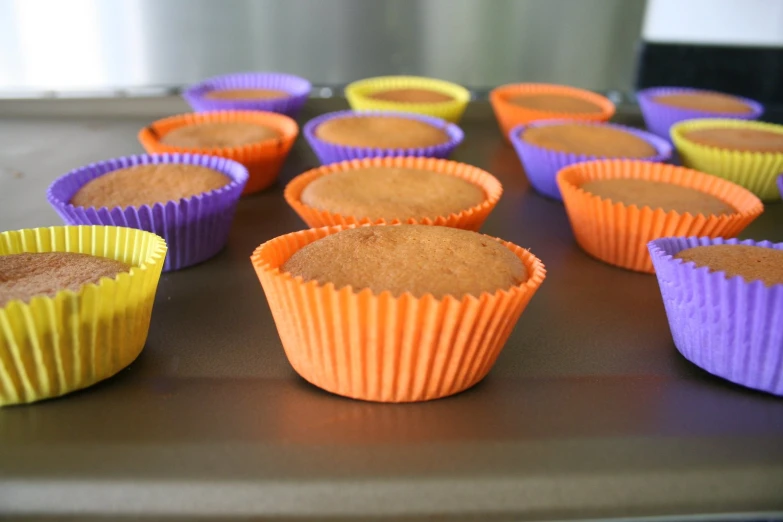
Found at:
<point>411,95</point>
<point>218,135</point>
<point>591,140</point>
<point>658,195</point>
<point>24,276</point>
<point>390,193</point>
<point>419,259</point>
<point>705,101</point>
<point>147,185</point>
<point>555,103</point>
<point>752,263</point>
<point>740,139</point>
<point>246,94</point>
<point>383,132</point>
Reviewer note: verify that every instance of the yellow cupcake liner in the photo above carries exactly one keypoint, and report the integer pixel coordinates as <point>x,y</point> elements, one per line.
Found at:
<point>358,96</point>
<point>756,171</point>
<point>51,346</point>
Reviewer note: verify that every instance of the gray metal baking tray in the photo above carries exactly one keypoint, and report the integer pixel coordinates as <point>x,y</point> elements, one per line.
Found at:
<point>590,411</point>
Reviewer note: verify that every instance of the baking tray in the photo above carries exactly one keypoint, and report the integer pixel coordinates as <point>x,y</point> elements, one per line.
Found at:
<point>590,412</point>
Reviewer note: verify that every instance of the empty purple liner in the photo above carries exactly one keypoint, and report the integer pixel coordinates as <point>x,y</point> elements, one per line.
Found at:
<point>542,165</point>
<point>298,88</point>
<point>333,153</point>
<point>659,117</point>
<point>728,327</point>
<point>195,228</point>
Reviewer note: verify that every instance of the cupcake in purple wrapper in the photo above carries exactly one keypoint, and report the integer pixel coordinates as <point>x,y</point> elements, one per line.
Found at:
<point>545,147</point>
<point>255,91</point>
<point>187,199</point>
<point>347,135</point>
<point>724,301</point>
<point>662,107</point>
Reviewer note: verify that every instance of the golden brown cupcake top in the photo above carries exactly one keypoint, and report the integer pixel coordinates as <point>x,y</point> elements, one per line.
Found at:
<point>218,135</point>
<point>411,96</point>
<point>246,94</point>
<point>657,194</point>
<point>752,263</point>
<point>555,103</point>
<point>592,140</point>
<point>419,259</point>
<point>391,193</point>
<point>745,140</point>
<point>384,132</point>
<point>147,185</point>
<point>24,276</point>
<point>705,101</point>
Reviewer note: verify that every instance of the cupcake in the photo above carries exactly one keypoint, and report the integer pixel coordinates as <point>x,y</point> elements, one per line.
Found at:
<point>617,206</point>
<point>523,103</point>
<point>410,190</point>
<point>260,141</point>
<point>662,107</point>
<point>395,313</point>
<point>410,94</point>
<point>189,200</point>
<point>724,302</point>
<point>546,147</point>
<point>258,91</point>
<point>347,135</point>
<point>749,153</point>
<point>75,305</point>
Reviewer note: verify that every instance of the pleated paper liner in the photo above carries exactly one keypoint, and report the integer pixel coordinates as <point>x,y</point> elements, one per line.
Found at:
<point>729,327</point>
<point>756,171</point>
<point>195,228</point>
<point>470,219</point>
<point>780,185</point>
<point>378,347</point>
<point>358,94</point>
<point>298,90</point>
<point>510,115</point>
<point>263,160</point>
<point>542,165</point>
<point>51,346</point>
<point>329,152</point>
<point>618,234</point>
<point>659,117</point>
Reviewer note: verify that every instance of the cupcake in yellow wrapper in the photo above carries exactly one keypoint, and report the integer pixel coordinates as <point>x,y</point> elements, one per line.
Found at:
<point>447,101</point>
<point>50,346</point>
<point>757,171</point>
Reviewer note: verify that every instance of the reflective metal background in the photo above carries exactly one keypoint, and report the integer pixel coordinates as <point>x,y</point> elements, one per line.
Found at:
<point>94,45</point>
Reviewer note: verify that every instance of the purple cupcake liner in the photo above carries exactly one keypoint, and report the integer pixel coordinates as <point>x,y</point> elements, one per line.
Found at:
<point>780,185</point>
<point>728,327</point>
<point>659,118</point>
<point>297,87</point>
<point>542,165</point>
<point>195,228</point>
<point>333,153</point>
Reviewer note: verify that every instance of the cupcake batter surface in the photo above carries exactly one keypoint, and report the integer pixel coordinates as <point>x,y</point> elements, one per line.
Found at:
<point>411,96</point>
<point>419,259</point>
<point>245,94</point>
<point>747,140</point>
<point>147,185</point>
<point>555,103</point>
<point>392,193</point>
<point>592,140</point>
<point>656,194</point>
<point>218,135</point>
<point>24,276</point>
<point>750,262</point>
<point>705,101</point>
<point>386,132</point>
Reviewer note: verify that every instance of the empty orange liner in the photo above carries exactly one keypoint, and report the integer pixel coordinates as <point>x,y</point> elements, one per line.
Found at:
<point>618,234</point>
<point>263,160</point>
<point>378,347</point>
<point>469,219</point>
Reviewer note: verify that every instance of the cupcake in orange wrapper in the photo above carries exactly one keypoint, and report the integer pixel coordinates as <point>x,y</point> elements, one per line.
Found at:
<point>259,140</point>
<point>616,207</point>
<point>411,190</point>
<point>396,313</point>
<point>523,103</point>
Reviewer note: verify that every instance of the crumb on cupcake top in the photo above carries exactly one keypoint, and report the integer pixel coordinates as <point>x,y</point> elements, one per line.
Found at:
<point>555,103</point>
<point>592,140</point>
<point>385,132</point>
<point>747,261</point>
<point>246,94</point>
<point>214,135</point>
<point>658,195</point>
<point>740,139</point>
<point>704,101</point>
<point>411,95</point>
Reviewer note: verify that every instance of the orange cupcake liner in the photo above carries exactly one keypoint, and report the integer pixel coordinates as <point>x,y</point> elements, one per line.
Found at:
<point>378,347</point>
<point>618,234</point>
<point>510,115</point>
<point>469,219</point>
<point>263,160</point>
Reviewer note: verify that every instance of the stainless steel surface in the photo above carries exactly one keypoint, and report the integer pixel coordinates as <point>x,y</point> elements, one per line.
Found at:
<point>590,411</point>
